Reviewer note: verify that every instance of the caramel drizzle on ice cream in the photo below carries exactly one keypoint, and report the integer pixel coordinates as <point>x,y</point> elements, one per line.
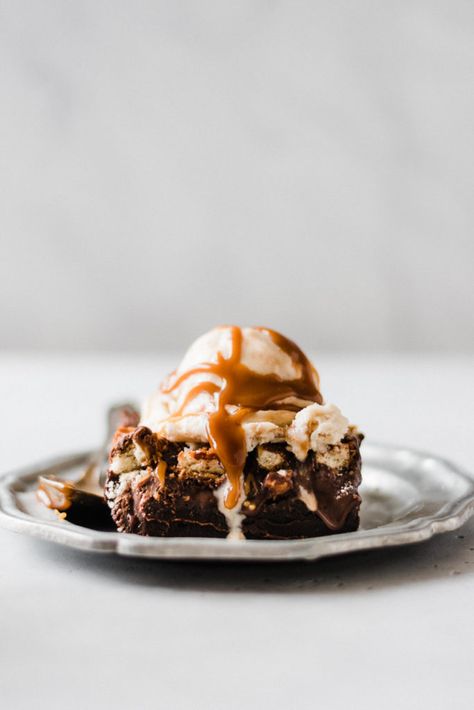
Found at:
<point>248,391</point>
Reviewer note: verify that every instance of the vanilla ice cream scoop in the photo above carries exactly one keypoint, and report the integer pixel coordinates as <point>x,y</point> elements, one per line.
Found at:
<point>259,352</point>
<point>240,387</point>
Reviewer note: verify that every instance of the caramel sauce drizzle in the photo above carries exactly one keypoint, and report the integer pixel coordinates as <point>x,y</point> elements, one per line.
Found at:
<point>248,390</point>
<point>161,472</point>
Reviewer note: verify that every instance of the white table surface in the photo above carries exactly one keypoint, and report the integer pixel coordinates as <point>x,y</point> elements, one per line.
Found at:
<point>390,629</point>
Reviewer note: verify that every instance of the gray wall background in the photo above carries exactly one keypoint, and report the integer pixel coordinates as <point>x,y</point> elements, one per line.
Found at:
<point>166,166</point>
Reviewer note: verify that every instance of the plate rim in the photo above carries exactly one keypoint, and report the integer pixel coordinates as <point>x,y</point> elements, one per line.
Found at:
<point>456,513</point>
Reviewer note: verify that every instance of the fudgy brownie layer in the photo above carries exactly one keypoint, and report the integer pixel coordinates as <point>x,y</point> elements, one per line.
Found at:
<point>159,488</point>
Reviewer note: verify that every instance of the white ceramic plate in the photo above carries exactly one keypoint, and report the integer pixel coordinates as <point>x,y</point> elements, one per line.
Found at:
<point>407,497</point>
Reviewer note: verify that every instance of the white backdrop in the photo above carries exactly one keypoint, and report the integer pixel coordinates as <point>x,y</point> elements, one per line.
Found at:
<point>166,166</point>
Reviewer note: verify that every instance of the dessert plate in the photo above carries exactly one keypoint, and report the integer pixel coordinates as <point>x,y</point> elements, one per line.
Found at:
<point>407,497</point>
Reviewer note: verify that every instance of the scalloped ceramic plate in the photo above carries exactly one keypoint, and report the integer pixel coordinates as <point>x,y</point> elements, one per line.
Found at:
<point>407,497</point>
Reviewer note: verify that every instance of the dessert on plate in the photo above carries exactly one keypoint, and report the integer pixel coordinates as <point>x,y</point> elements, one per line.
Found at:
<point>239,443</point>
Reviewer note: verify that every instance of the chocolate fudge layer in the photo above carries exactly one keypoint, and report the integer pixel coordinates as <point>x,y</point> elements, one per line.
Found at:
<point>161,488</point>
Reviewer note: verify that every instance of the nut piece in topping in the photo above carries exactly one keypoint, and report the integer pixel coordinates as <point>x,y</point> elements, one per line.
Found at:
<point>124,456</point>
<point>336,457</point>
<point>146,445</point>
<point>269,459</point>
<point>132,450</point>
<point>278,482</point>
<point>199,463</point>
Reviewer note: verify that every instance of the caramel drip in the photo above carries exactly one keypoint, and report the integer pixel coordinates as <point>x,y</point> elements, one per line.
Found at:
<point>161,472</point>
<point>249,391</point>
